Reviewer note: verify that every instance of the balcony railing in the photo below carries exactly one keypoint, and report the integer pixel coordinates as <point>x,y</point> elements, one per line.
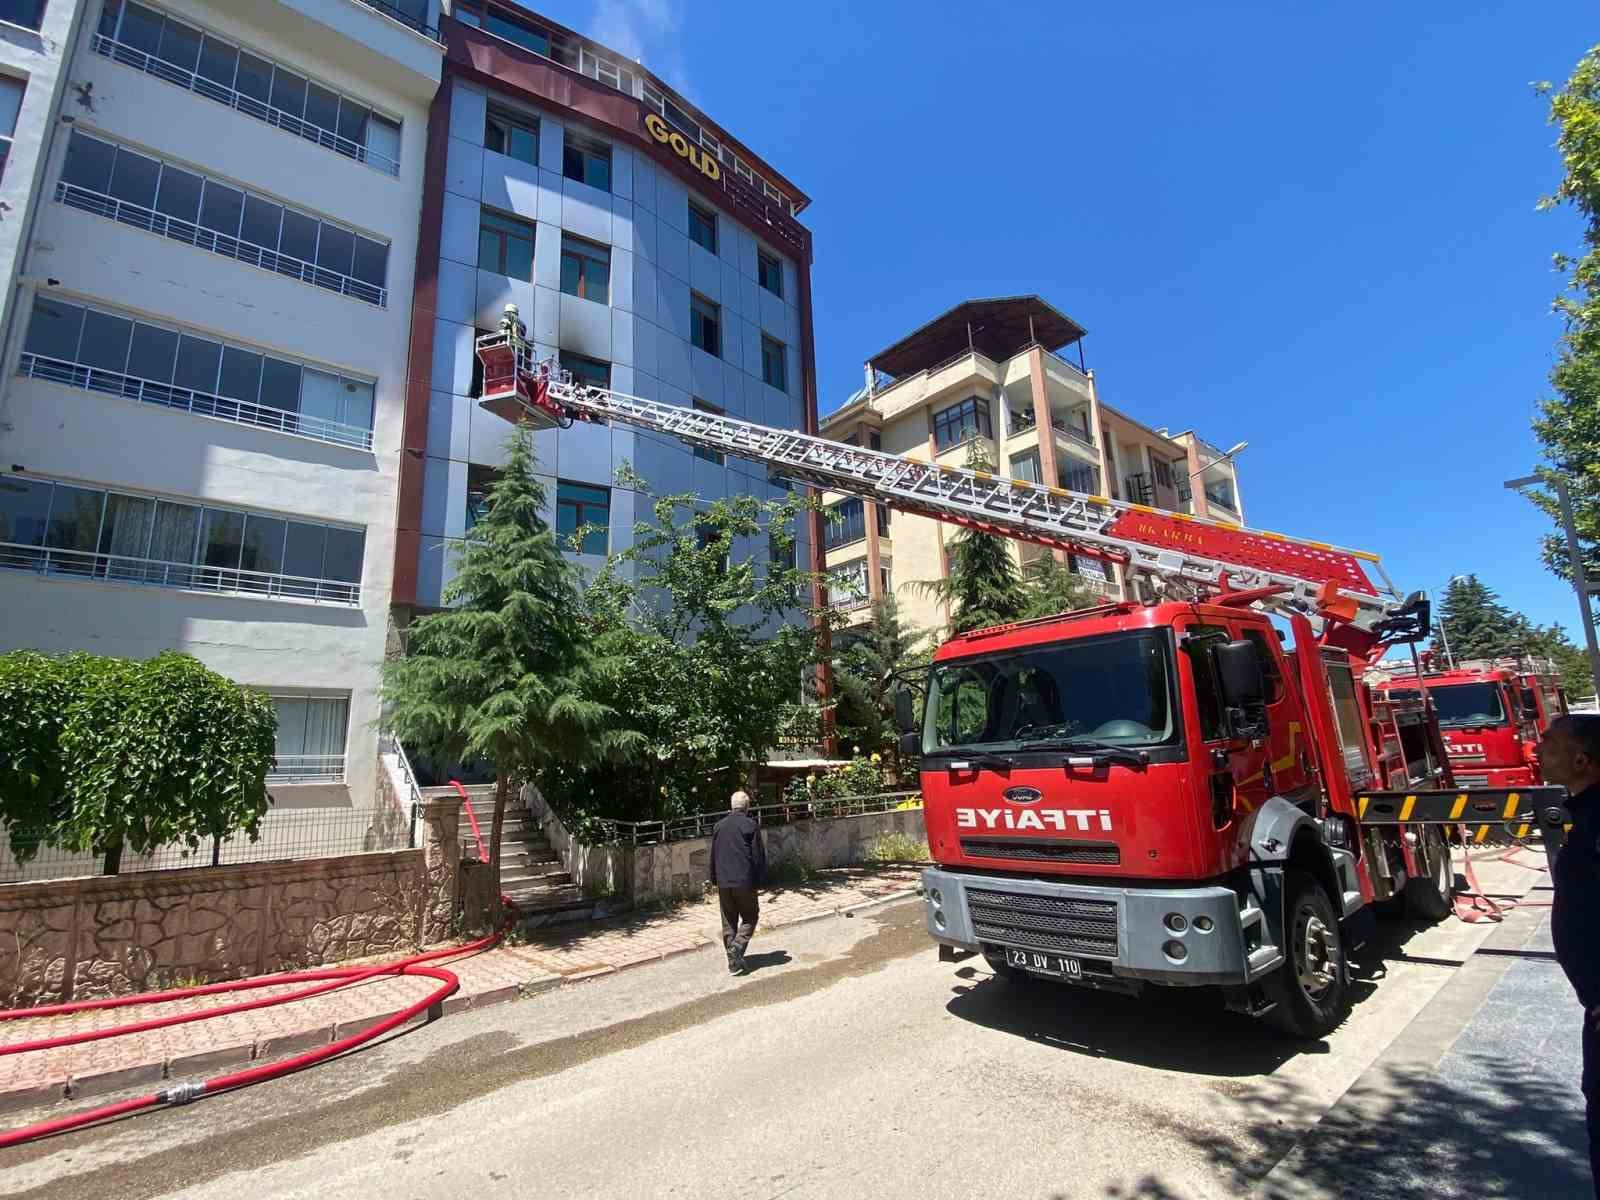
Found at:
<point>204,404</point>
<point>147,219</point>
<point>1024,420</point>
<point>1139,489</point>
<point>251,107</point>
<point>1221,498</point>
<point>121,568</point>
<point>307,768</point>
<point>410,22</point>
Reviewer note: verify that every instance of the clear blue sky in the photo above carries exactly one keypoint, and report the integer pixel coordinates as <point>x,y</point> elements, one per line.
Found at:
<point>1313,231</point>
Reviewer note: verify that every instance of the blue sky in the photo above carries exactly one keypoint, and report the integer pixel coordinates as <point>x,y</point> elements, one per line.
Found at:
<point>1314,231</point>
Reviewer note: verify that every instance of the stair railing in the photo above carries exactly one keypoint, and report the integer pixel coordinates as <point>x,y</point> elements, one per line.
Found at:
<point>472,817</point>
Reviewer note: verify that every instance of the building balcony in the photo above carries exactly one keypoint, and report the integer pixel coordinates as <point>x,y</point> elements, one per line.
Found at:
<point>1025,421</point>
<point>307,768</point>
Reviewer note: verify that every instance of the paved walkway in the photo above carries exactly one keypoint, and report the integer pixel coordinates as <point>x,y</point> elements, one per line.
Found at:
<point>544,959</point>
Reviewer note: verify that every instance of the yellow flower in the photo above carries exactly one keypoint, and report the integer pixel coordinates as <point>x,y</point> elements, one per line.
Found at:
<point>663,789</point>
<point>876,759</point>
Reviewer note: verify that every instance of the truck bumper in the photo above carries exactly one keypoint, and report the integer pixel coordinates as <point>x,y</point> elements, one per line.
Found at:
<point>1116,933</point>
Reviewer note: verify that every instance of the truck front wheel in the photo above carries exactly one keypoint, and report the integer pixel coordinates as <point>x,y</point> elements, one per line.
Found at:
<point>1428,895</point>
<point>1309,989</point>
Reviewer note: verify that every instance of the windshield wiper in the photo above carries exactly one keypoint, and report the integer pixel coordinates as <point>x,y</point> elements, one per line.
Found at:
<point>1096,749</point>
<point>974,762</point>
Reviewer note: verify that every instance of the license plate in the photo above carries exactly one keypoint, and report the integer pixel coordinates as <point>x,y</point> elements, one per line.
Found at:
<point>1044,964</point>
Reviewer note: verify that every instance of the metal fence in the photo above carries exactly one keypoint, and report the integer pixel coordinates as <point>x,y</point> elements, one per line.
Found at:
<point>677,829</point>
<point>285,835</point>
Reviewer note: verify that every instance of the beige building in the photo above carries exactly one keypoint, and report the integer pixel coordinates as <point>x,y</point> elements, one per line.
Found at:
<point>997,372</point>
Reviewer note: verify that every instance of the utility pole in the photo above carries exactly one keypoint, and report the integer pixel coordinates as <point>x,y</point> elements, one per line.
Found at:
<point>1580,579</point>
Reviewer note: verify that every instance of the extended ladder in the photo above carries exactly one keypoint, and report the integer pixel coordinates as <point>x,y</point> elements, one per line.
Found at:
<point>1147,541</point>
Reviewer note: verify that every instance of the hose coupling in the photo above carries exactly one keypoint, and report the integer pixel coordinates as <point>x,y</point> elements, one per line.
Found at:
<point>182,1093</point>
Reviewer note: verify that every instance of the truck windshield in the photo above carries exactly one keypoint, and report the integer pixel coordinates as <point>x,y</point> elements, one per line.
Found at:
<point>1112,691</point>
<point>1461,704</point>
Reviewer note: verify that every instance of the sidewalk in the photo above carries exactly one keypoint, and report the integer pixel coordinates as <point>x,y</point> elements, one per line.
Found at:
<point>1477,1098</point>
<point>547,958</point>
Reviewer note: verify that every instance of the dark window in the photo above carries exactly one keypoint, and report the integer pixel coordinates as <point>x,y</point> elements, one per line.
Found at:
<point>583,504</point>
<point>1197,646</point>
<point>88,164</point>
<point>505,245</point>
<point>27,13</point>
<point>54,330</point>
<point>705,324</point>
<point>883,520</point>
<point>774,363</point>
<point>24,509</point>
<point>263,544</point>
<point>10,106</point>
<point>703,452</point>
<point>587,370</point>
<point>959,422</point>
<point>241,375</point>
<point>288,92</point>
<point>105,341</point>
<point>141,28</point>
<point>530,37</point>
<point>585,269</point>
<point>703,226</point>
<point>480,481</point>
<point>263,222</point>
<point>199,362</point>
<point>341,561</point>
<point>180,45</point>
<point>322,107</point>
<point>154,353</point>
<point>222,538</point>
<point>1163,470</point>
<point>1269,664</point>
<point>336,248</point>
<point>706,537</point>
<point>586,160</point>
<point>1081,477</point>
<point>254,78</point>
<point>134,178</point>
<point>515,137</point>
<point>219,62</point>
<point>125,531</point>
<point>221,208</point>
<point>769,272</point>
<point>280,384</point>
<point>874,440</point>
<point>846,523</point>
<point>303,548</point>
<point>299,239</point>
<point>1026,466</point>
<point>179,197</point>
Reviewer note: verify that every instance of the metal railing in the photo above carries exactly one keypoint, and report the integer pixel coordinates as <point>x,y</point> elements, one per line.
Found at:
<point>1024,421</point>
<point>122,568</point>
<point>285,835</point>
<point>139,60</point>
<point>677,829</point>
<point>203,404</point>
<point>307,768</point>
<point>147,219</point>
<point>1221,498</point>
<point>389,744</point>
<point>1139,489</point>
<point>416,24</point>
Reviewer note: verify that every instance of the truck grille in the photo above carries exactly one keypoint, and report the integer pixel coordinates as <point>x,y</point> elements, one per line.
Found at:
<point>1043,850</point>
<point>1472,781</point>
<point>1053,923</point>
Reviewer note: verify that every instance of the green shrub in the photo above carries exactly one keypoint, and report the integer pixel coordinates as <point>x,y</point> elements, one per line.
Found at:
<point>858,777</point>
<point>789,871</point>
<point>897,847</point>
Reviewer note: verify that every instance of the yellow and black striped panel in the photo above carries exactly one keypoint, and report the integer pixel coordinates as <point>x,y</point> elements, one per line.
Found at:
<point>1490,816</point>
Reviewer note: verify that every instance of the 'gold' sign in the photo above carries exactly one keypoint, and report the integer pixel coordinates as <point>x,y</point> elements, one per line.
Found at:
<point>682,147</point>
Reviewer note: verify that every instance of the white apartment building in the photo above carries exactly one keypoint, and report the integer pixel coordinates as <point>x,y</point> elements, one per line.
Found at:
<point>204,358</point>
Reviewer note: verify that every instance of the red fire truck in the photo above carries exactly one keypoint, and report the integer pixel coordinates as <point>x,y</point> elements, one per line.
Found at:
<point>1162,793</point>
<point>1492,713</point>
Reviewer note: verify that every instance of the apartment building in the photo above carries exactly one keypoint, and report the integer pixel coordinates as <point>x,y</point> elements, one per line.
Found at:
<point>1007,377</point>
<point>646,248</point>
<point>203,386</point>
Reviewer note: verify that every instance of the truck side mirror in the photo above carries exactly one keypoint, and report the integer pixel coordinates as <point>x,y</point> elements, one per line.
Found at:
<point>905,713</point>
<point>1530,704</point>
<point>1244,689</point>
<point>910,745</point>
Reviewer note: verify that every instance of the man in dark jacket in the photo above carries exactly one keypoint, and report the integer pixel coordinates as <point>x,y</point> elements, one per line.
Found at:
<point>738,867</point>
<point>1570,757</point>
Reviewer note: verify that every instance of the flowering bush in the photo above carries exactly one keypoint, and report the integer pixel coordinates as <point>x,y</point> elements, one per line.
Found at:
<point>859,777</point>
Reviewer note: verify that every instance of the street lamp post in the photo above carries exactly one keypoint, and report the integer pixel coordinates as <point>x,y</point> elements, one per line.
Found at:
<point>1580,578</point>
<point>1220,459</point>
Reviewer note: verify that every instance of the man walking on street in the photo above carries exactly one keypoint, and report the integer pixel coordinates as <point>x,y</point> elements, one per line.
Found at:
<point>1570,757</point>
<point>738,867</point>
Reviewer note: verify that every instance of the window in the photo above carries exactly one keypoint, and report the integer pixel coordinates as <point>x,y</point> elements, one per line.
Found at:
<point>27,13</point>
<point>960,422</point>
<point>703,452</point>
<point>159,364</point>
<point>515,137</point>
<point>705,324</point>
<point>1197,646</point>
<point>769,272</point>
<point>781,551</point>
<point>10,105</point>
<point>706,538</point>
<point>1026,466</point>
<point>847,585</point>
<point>774,363</point>
<point>1220,493</point>
<point>480,481</point>
<point>846,523</point>
<point>311,737</point>
<point>215,68</point>
<point>505,245</point>
<point>1164,474</point>
<point>585,269</point>
<point>112,181</point>
<point>587,370</point>
<point>63,529</point>
<point>874,440</point>
<point>1269,664</point>
<point>586,160</point>
<point>1081,477</point>
<point>583,506</point>
<point>703,226</point>
<point>522,33</point>
<point>883,519</point>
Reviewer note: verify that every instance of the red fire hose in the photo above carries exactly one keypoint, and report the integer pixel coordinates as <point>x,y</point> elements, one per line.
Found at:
<point>184,1093</point>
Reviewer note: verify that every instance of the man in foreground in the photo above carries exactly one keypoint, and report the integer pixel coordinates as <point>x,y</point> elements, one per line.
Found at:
<point>1570,757</point>
<point>738,867</point>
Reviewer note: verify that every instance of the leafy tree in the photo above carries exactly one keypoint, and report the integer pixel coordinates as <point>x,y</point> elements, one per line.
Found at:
<point>866,660</point>
<point>1571,661</point>
<point>1568,425</point>
<point>983,587</point>
<point>708,660</point>
<point>111,754</point>
<point>506,673</point>
<point>1475,624</point>
<point>1049,588</point>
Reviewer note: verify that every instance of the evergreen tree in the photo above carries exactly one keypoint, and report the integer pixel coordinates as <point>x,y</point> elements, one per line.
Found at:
<point>1552,642</point>
<point>1568,425</point>
<point>504,673</point>
<point>983,587</point>
<point>866,661</point>
<point>1050,588</point>
<point>1475,624</point>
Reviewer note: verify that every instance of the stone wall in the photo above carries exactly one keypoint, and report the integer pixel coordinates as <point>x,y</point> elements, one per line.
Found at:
<point>598,870</point>
<point>79,939</point>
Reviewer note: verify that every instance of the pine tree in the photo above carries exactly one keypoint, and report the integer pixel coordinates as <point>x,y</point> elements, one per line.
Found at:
<point>1050,588</point>
<point>503,674</point>
<point>1475,624</point>
<point>1568,425</point>
<point>983,587</point>
<point>866,661</point>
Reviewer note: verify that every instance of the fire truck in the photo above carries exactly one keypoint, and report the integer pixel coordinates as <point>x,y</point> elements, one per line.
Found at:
<point>1197,790</point>
<point>1492,713</point>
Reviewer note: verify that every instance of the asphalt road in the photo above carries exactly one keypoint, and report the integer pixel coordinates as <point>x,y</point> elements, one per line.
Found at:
<point>851,1063</point>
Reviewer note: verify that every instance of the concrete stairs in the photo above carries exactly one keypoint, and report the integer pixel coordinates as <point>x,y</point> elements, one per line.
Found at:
<point>532,875</point>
